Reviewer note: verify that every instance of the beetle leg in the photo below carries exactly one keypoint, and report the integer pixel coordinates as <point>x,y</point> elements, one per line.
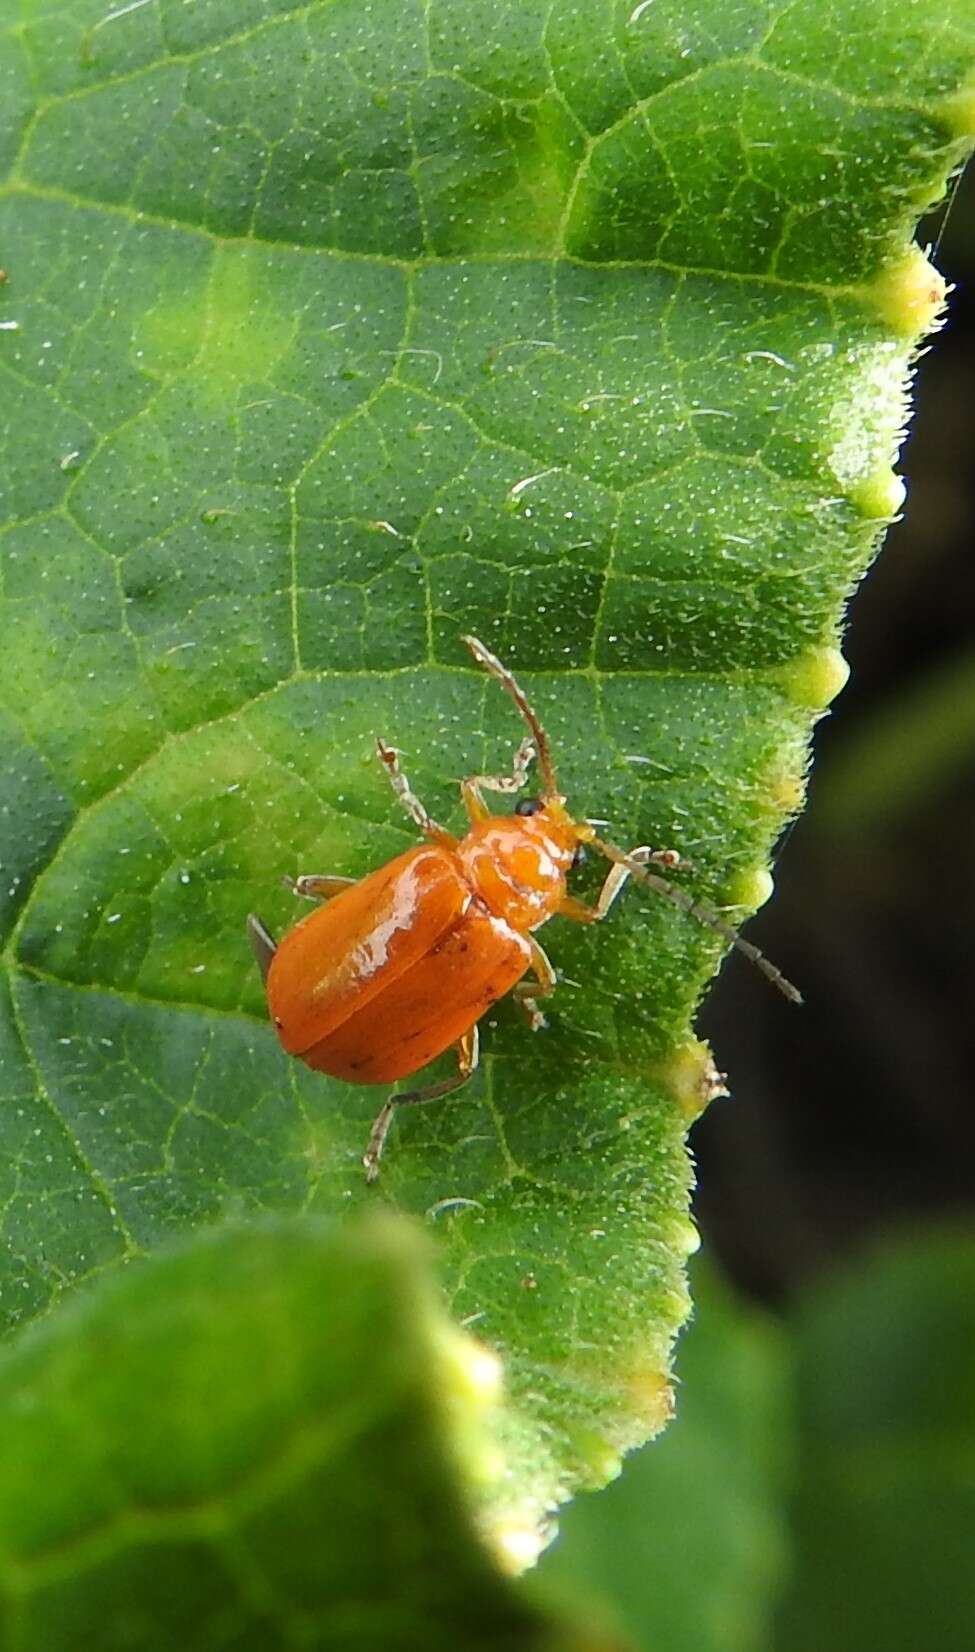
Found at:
<point>471,789</point>
<point>467,1057</point>
<point>263,944</point>
<point>527,993</point>
<point>313,888</point>
<point>474,804</point>
<point>389,757</point>
<point>616,877</point>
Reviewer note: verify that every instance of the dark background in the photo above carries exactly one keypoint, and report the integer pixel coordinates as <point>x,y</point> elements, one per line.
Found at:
<point>855,1114</point>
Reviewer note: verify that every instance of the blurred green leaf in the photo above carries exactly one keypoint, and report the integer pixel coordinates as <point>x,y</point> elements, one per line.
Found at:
<point>689,1547</point>
<point>334,330</point>
<point>916,744</point>
<point>189,1457</point>
<point>884,1513</point>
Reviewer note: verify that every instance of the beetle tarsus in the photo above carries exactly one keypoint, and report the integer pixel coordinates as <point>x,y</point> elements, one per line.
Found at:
<point>377,1139</point>
<point>533,1015</point>
<point>513,782</point>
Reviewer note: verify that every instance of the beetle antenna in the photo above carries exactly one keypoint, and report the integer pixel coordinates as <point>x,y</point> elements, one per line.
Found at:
<point>700,910</point>
<point>500,672</point>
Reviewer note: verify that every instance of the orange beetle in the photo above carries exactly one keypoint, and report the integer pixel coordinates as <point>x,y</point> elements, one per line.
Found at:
<point>397,967</point>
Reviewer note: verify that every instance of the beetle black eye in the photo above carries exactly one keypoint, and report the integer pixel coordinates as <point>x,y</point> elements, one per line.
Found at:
<point>579,856</point>
<point>529,806</point>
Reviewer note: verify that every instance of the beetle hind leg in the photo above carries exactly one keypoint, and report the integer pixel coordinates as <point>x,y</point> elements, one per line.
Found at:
<point>467,1058</point>
<point>263,944</point>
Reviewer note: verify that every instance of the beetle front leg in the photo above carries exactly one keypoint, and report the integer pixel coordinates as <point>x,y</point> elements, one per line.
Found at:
<point>470,789</point>
<point>616,877</point>
<point>389,757</point>
<point>527,993</point>
<point>468,1047</point>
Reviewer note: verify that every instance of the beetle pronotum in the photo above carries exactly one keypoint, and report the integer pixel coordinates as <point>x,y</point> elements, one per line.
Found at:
<point>393,969</point>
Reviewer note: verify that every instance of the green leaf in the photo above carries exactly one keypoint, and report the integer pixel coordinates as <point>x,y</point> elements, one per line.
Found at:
<point>331,332</point>
<point>884,1514</point>
<point>189,1456</point>
<point>690,1545</point>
